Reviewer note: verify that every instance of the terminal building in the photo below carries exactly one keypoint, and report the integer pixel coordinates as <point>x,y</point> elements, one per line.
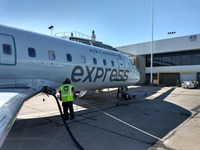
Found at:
<point>174,60</point>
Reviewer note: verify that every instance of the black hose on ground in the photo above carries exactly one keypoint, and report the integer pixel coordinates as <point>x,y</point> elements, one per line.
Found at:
<point>50,91</point>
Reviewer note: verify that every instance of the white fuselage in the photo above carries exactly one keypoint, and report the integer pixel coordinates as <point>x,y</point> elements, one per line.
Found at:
<point>27,58</point>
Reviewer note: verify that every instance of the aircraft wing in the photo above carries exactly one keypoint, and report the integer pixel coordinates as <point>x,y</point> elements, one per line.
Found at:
<point>11,100</point>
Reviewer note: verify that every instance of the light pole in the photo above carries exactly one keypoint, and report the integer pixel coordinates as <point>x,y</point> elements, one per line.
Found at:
<point>152,46</point>
<point>51,28</point>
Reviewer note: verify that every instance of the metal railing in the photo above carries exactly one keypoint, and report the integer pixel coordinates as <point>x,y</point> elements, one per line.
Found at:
<point>65,35</point>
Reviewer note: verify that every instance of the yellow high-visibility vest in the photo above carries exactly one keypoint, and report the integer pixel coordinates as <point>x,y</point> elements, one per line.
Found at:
<point>67,94</point>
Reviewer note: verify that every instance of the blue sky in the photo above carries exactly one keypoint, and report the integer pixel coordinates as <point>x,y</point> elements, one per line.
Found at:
<point>115,22</point>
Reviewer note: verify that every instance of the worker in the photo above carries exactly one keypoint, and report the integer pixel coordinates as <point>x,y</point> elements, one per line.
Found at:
<point>122,91</point>
<point>67,95</point>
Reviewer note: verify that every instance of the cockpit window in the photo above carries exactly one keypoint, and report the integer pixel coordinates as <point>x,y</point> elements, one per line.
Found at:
<point>131,61</point>
<point>131,65</point>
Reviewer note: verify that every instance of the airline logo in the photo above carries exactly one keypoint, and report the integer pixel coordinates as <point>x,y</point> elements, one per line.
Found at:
<point>86,74</point>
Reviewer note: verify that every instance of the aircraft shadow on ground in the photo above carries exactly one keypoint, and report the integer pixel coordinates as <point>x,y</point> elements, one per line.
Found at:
<point>156,116</point>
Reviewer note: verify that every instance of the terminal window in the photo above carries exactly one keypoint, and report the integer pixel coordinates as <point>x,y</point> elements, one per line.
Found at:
<point>186,59</point>
<point>157,60</point>
<point>174,59</point>
<point>196,59</point>
<point>167,60</point>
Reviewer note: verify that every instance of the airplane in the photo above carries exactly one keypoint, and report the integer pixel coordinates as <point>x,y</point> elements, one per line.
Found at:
<point>29,61</point>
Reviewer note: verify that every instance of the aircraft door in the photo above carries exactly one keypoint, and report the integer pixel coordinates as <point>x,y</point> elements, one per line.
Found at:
<point>121,65</point>
<point>7,50</point>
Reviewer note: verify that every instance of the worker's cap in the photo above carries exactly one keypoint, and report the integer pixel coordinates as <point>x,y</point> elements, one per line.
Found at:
<point>67,81</point>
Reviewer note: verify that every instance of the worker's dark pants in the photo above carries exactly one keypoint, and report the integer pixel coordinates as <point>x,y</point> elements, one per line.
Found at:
<point>68,106</point>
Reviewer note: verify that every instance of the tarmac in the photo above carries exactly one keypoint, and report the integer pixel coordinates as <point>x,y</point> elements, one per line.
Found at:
<point>158,118</point>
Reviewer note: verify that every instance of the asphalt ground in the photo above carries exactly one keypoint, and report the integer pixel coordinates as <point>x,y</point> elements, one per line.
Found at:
<point>158,118</point>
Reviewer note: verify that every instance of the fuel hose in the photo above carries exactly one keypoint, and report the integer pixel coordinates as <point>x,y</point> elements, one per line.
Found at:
<point>67,127</point>
<point>50,91</point>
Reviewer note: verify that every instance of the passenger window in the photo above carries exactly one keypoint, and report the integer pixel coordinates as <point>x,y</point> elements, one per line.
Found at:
<point>52,55</point>
<point>7,49</point>
<point>104,62</point>
<point>95,61</point>
<point>31,52</point>
<point>69,57</point>
<point>112,63</point>
<point>83,60</point>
